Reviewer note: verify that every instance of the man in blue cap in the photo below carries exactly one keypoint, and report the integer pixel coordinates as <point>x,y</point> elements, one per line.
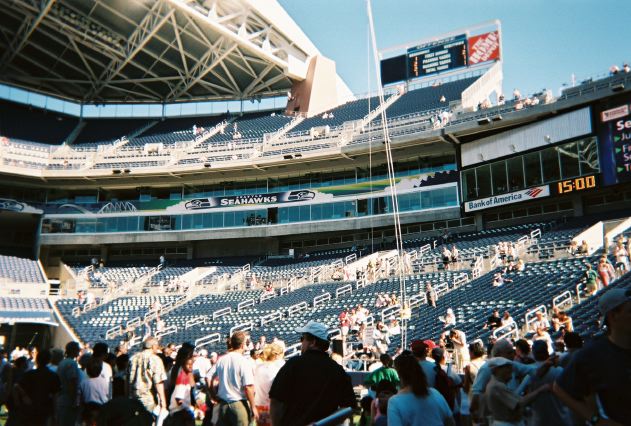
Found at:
<point>311,386</point>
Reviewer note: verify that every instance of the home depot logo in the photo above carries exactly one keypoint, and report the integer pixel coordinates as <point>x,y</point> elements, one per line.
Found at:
<point>533,192</point>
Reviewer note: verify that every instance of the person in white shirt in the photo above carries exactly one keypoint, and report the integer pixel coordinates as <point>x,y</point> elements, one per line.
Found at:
<point>461,349</point>
<point>94,388</point>
<point>201,364</point>
<point>540,324</point>
<point>449,318</point>
<point>235,391</point>
<point>264,377</point>
<point>380,338</point>
<point>100,352</point>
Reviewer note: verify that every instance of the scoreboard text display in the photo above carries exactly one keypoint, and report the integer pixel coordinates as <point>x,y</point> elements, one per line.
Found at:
<point>439,56</point>
<point>443,55</point>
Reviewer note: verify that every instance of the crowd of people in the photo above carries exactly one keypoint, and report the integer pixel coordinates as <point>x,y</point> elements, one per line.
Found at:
<point>547,377</point>
<point>525,382</point>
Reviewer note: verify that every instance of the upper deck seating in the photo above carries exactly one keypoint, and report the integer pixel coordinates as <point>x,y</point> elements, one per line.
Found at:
<point>17,269</point>
<point>33,124</point>
<point>250,126</point>
<point>106,130</point>
<point>428,98</point>
<point>350,111</point>
<point>172,130</point>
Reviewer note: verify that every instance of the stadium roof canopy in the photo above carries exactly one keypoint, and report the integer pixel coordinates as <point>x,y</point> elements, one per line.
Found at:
<point>103,51</point>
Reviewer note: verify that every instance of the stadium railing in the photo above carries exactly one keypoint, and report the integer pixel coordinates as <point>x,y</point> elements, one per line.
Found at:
<point>23,154</point>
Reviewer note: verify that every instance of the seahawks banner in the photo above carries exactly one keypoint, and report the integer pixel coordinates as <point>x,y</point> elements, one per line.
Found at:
<point>322,194</point>
<point>17,206</point>
<point>249,199</point>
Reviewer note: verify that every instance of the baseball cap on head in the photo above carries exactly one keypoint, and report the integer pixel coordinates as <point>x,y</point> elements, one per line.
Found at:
<point>430,344</point>
<point>611,300</point>
<point>316,329</point>
<point>497,362</point>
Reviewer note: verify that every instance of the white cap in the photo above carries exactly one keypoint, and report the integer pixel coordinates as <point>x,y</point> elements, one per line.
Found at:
<point>316,329</point>
<point>499,361</point>
<point>612,299</point>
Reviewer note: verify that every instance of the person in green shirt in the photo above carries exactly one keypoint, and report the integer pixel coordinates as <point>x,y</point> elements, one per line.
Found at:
<point>385,372</point>
<point>590,280</point>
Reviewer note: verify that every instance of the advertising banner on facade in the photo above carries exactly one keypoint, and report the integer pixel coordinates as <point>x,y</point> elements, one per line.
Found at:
<point>484,48</point>
<point>250,199</point>
<point>615,146</point>
<point>322,194</point>
<point>17,206</point>
<point>510,198</point>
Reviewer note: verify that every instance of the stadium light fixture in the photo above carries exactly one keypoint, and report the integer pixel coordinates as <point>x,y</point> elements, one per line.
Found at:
<point>484,120</point>
<point>617,87</point>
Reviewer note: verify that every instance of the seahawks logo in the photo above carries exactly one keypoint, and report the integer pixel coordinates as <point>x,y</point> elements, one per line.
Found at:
<point>198,203</point>
<point>12,205</point>
<point>300,195</point>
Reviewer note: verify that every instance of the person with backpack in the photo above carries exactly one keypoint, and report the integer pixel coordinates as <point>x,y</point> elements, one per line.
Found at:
<point>416,403</point>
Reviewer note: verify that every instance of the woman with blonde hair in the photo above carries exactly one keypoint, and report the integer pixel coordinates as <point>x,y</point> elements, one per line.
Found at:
<point>263,377</point>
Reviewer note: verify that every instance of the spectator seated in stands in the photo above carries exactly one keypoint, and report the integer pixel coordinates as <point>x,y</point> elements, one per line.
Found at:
<point>499,280</point>
<point>494,321</point>
<point>449,318</point>
<point>561,321</point>
<point>626,68</point>
<point>516,94</point>
<point>540,323</point>
<point>583,250</point>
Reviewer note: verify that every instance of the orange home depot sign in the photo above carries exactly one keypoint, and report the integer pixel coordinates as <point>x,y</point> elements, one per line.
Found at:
<point>484,48</point>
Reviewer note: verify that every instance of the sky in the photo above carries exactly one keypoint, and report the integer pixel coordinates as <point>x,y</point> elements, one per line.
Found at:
<point>544,41</point>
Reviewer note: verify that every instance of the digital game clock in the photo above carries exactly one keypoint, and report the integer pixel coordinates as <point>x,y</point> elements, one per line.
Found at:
<point>577,184</point>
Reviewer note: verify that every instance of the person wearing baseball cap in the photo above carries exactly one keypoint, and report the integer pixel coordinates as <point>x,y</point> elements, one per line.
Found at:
<point>311,386</point>
<point>502,348</point>
<point>422,350</point>
<point>504,404</point>
<point>596,384</point>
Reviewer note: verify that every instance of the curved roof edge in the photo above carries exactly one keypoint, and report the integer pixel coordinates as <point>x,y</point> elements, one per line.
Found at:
<point>274,12</point>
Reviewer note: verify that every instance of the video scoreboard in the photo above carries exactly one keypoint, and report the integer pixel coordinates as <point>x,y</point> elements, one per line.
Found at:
<point>441,55</point>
